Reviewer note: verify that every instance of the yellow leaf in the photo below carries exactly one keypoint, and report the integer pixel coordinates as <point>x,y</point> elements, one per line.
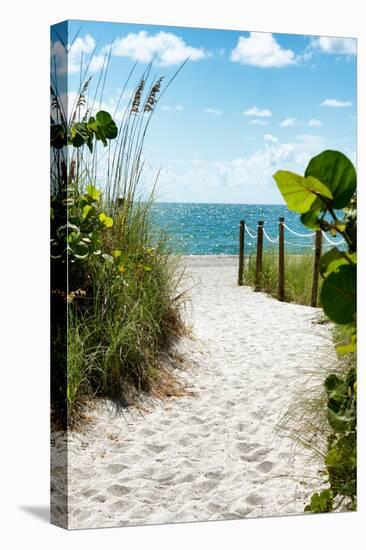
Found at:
<point>348,348</point>
<point>106,220</point>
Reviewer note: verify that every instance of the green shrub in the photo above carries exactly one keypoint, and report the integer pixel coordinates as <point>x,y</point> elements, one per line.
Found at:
<point>115,300</point>
<point>329,184</point>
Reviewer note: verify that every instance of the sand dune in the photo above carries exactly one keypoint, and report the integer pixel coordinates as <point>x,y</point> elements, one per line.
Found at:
<point>215,455</point>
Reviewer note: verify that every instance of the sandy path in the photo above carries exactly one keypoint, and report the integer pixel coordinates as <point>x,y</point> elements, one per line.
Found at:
<point>215,455</point>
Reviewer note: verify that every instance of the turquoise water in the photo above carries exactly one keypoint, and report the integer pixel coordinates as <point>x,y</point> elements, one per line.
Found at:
<point>202,228</point>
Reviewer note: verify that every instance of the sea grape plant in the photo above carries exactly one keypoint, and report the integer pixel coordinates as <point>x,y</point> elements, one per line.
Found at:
<point>328,187</point>
<point>101,127</point>
<point>78,219</point>
<point>80,237</point>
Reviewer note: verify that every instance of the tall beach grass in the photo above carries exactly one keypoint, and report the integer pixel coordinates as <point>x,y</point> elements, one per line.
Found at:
<point>120,323</point>
<point>298,276</point>
<point>306,420</point>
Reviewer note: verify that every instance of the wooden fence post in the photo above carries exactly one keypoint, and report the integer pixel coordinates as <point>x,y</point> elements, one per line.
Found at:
<point>281,259</point>
<point>317,255</point>
<point>258,266</point>
<point>241,252</point>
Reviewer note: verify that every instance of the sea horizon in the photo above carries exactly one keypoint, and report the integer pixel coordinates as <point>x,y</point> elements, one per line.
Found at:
<point>198,228</point>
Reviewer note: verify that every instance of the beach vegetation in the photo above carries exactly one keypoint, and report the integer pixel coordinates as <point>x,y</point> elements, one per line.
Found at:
<point>115,298</point>
<point>329,184</point>
<point>298,276</point>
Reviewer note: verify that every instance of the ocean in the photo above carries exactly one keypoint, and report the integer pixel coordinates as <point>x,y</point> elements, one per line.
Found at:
<point>203,228</point>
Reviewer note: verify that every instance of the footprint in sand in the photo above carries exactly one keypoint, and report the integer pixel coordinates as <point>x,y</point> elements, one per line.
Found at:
<point>265,466</point>
<point>198,420</point>
<point>256,456</point>
<point>100,498</point>
<point>116,468</point>
<point>187,478</point>
<point>215,474</point>
<point>119,490</point>
<point>165,478</point>
<point>253,499</point>
<point>89,493</point>
<point>155,448</point>
<point>245,447</point>
<point>185,441</point>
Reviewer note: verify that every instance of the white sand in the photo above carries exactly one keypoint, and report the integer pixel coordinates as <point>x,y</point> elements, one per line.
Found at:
<point>215,455</point>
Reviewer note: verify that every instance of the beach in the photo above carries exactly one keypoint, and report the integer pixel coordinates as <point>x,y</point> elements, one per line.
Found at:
<point>214,453</point>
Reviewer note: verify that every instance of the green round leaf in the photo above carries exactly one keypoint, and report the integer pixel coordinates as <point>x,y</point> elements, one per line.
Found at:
<point>331,261</point>
<point>300,193</point>
<point>337,172</point>
<point>107,124</point>
<point>103,127</point>
<point>80,134</point>
<point>93,193</point>
<point>86,210</point>
<point>338,295</point>
<point>105,220</point>
<point>79,249</point>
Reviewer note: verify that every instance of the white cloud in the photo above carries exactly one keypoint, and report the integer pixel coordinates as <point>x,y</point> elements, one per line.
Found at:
<point>333,45</point>
<point>80,54</point>
<point>254,111</point>
<point>288,121</point>
<point>262,50</point>
<point>258,122</point>
<point>314,122</point>
<point>165,47</point>
<point>178,107</point>
<point>244,179</point>
<point>216,112</point>
<point>336,103</point>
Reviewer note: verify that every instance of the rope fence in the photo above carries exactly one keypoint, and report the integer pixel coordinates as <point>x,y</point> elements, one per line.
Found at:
<point>292,243</point>
<point>253,236</point>
<point>316,246</point>
<point>298,234</point>
<point>273,241</point>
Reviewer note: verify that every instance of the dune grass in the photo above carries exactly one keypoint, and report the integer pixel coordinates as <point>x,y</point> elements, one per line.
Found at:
<point>122,301</point>
<point>118,331</point>
<point>298,276</point>
<point>306,421</point>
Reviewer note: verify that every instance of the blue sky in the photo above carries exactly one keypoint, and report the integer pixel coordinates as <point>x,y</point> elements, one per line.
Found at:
<point>245,104</point>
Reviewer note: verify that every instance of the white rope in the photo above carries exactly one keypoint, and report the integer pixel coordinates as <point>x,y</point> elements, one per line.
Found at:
<point>274,241</point>
<point>298,234</point>
<point>253,236</point>
<point>330,241</point>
